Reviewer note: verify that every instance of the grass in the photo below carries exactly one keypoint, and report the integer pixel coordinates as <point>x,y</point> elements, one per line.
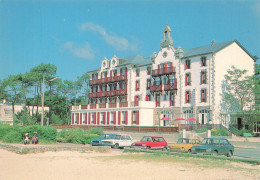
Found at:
<point>168,156</point>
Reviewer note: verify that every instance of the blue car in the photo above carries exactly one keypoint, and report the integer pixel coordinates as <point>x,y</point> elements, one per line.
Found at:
<point>98,142</point>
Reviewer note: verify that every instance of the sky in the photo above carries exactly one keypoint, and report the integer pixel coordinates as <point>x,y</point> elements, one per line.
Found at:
<point>76,35</point>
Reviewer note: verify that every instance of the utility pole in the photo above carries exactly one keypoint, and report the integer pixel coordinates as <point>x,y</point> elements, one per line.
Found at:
<point>42,119</point>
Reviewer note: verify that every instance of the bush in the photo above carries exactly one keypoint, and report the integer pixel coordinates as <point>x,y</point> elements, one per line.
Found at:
<point>98,131</point>
<point>55,119</point>
<point>219,132</point>
<point>13,137</point>
<point>76,136</point>
<point>202,130</point>
<point>5,129</point>
<point>235,131</point>
<point>45,133</point>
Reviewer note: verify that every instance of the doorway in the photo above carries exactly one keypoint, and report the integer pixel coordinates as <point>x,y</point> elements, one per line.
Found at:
<point>239,123</point>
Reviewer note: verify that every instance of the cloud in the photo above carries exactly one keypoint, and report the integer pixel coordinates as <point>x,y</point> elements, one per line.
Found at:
<point>85,51</point>
<point>119,43</point>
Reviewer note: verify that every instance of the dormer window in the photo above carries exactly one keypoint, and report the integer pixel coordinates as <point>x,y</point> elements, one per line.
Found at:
<point>187,64</point>
<point>137,72</point>
<point>203,61</point>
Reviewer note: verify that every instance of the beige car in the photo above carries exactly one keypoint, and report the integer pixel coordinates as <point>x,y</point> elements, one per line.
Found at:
<point>184,144</point>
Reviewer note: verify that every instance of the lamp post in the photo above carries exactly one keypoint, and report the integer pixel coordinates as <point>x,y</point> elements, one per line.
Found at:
<point>42,118</point>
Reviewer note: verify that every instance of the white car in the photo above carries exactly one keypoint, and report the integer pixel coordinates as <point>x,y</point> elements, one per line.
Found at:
<point>119,141</point>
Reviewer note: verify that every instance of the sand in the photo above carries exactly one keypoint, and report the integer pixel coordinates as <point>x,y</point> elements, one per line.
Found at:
<point>67,165</point>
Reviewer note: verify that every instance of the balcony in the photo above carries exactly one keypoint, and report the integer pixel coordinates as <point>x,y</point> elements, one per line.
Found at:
<point>156,88</point>
<point>108,79</point>
<point>102,105</point>
<point>123,104</point>
<point>171,86</point>
<point>93,106</point>
<point>163,71</point>
<point>112,105</point>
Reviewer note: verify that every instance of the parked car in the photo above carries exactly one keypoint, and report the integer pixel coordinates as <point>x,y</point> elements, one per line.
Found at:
<point>217,146</point>
<point>119,141</point>
<point>98,142</point>
<point>151,142</point>
<point>184,144</point>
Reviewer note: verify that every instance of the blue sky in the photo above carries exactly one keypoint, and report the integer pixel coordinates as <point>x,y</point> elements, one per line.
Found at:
<point>76,35</point>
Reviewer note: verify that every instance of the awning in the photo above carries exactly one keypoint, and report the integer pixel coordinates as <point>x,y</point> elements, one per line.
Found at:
<point>191,119</point>
<point>166,118</point>
<point>179,119</point>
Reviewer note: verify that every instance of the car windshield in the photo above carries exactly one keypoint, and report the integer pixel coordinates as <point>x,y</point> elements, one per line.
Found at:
<point>107,136</point>
<point>186,141</point>
<point>117,137</point>
<point>147,138</point>
<point>210,141</point>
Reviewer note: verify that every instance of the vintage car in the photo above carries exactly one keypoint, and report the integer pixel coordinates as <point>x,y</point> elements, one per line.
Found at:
<point>216,146</point>
<point>98,142</point>
<point>119,141</point>
<point>184,144</point>
<point>151,142</point>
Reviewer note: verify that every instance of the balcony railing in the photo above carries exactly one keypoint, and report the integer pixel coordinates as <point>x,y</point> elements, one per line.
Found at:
<point>102,105</point>
<point>171,86</point>
<point>123,104</point>
<point>93,106</point>
<point>112,105</point>
<point>156,88</point>
<point>108,79</point>
<point>163,71</point>
<point>108,93</point>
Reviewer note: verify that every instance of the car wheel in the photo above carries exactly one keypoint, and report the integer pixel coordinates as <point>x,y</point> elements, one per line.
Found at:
<point>229,154</point>
<point>116,146</point>
<point>215,153</point>
<point>189,151</point>
<point>165,148</point>
<point>148,148</point>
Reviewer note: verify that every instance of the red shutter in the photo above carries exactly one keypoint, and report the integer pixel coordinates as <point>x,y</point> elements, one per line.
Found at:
<point>95,120</point>
<point>126,117</point>
<point>89,118</point>
<point>114,117</point>
<point>86,118</point>
<point>201,95</point>
<point>137,117</point>
<point>205,75</point>
<point>80,118</point>
<point>146,97</point>
<point>104,118</point>
<point>98,118</point>
<point>101,75</point>
<point>119,117</point>
<point>186,96</point>
<point>201,77</point>
<point>135,99</point>
<point>205,92</point>
<point>108,117</point>
<point>72,118</point>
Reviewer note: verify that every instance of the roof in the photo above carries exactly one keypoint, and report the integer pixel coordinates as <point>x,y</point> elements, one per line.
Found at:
<point>136,60</point>
<point>212,48</point>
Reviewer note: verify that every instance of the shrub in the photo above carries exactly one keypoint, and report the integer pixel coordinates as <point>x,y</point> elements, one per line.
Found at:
<point>235,131</point>
<point>219,132</point>
<point>76,136</point>
<point>45,133</point>
<point>98,131</point>
<point>202,130</point>
<point>13,137</point>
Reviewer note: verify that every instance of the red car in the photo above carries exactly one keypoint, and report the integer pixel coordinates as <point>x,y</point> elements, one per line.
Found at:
<point>151,142</point>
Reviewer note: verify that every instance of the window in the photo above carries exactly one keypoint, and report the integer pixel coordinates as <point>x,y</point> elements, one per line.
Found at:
<point>148,84</point>
<point>137,72</point>
<point>203,61</point>
<point>171,99</point>
<point>187,64</point>
<point>187,79</point>
<point>187,97</point>
<point>148,97</point>
<point>203,77</point>
<point>137,85</point>
<point>134,117</point>
<point>203,95</point>
<point>164,97</point>
<point>148,70</point>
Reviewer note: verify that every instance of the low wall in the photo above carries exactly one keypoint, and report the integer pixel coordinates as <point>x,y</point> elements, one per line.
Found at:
<point>123,128</point>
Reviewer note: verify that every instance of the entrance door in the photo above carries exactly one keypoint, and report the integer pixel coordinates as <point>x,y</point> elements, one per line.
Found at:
<point>239,123</point>
<point>202,119</point>
<point>157,100</point>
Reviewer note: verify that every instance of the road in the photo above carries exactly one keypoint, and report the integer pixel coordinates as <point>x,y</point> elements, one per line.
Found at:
<point>248,153</point>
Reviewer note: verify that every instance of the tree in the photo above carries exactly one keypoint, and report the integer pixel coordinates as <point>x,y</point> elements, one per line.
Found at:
<point>83,82</point>
<point>14,89</point>
<point>238,95</point>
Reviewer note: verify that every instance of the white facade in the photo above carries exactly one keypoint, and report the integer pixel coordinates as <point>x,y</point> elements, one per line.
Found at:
<point>175,83</point>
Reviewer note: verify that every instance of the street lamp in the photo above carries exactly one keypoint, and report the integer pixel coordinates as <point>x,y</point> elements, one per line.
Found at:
<point>42,119</point>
